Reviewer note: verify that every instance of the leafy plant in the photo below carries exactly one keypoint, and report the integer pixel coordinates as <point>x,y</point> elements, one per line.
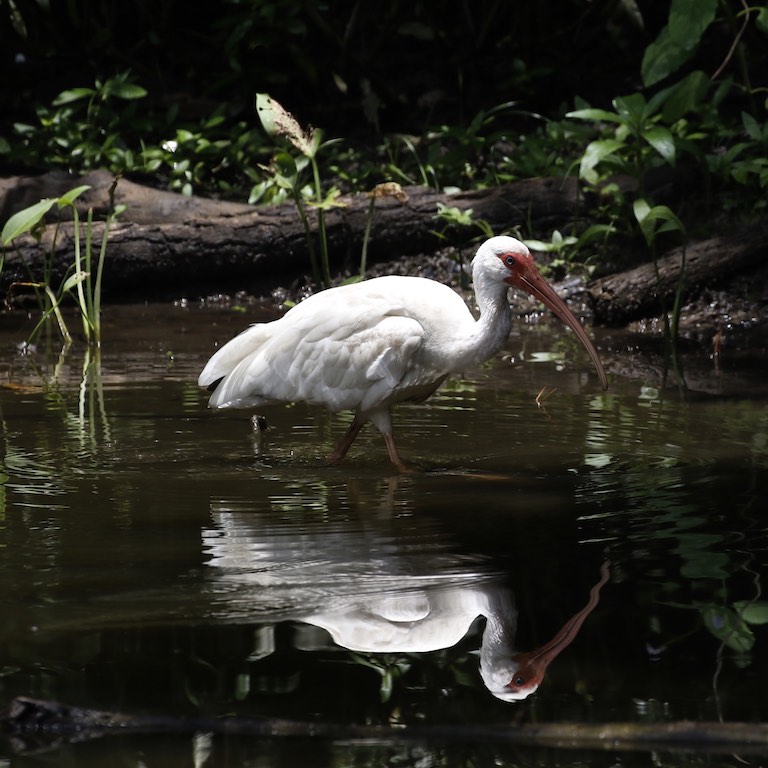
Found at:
<point>83,128</point>
<point>653,221</point>
<point>731,625</point>
<point>387,189</point>
<point>448,156</point>
<point>212,155</point>
<point>638,142</point>
<point>451,216</point>
<point>678,40</point>
<point>566,247</point>
<point>285,172</point>
<point>80,280</point>
<point>748,160</point>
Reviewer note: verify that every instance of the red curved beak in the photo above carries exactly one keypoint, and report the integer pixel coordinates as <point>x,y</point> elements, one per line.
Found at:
<point>529,279</point>
<point>533,664</point>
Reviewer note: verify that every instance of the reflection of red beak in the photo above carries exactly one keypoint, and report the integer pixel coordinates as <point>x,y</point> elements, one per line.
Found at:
<point>526,276</point>
<point>533,664</point>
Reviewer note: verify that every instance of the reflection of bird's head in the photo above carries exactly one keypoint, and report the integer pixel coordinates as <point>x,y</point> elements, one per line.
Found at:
<point>516,679</point>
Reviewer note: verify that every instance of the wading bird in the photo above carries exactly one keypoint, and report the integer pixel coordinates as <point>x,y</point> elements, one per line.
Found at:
<point>366,346</point>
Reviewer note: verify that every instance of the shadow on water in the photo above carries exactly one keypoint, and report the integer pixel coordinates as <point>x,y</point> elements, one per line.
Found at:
<point>588,558</point>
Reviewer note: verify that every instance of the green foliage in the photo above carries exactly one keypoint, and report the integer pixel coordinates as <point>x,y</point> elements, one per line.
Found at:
<point>84,128</point>
<point>474,110</point>
<point>214,155</point>
<point>285,172</point>
<point>471,155</point>
<point>567,248</point>
<point>81,280</point>
<point>748,159</point>
<point>731,625</point>
<point>638,142</point>
<point>678,40</point>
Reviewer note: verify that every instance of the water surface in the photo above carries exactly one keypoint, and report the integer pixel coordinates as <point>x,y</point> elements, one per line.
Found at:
<point>158,558</point>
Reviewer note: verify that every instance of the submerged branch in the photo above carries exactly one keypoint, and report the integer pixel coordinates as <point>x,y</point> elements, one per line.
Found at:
<point>33,724</point>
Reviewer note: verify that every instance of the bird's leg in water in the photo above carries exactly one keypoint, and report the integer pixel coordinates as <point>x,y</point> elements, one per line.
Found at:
<point>393,456</point>
<point>340,451</point>
<point>383,422</point>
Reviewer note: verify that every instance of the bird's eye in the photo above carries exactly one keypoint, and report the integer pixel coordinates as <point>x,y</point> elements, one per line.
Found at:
<point>518,682</point>
<point>510,261</point>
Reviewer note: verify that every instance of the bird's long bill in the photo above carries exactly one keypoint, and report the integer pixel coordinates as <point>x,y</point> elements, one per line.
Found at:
<point>537,286</point>
<point>533,664</point>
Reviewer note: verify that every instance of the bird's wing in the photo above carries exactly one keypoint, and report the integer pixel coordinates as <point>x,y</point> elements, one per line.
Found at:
<point>355,356</point>
<point>226,359</point>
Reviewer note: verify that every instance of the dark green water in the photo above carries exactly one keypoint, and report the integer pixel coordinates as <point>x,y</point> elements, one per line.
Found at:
<point>157,558</point>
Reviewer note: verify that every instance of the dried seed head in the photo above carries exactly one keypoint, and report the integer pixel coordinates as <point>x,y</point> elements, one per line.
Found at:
<point>389,189</point>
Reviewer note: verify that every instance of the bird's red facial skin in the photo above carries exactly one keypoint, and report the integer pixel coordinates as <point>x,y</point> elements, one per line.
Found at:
<point>518,264</point>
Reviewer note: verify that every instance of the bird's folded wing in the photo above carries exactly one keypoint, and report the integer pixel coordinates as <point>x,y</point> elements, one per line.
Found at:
<point>357,366</point>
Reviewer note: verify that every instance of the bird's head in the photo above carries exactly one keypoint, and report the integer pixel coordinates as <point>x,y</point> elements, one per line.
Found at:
<point>507,260</point>
<point>517,679</point>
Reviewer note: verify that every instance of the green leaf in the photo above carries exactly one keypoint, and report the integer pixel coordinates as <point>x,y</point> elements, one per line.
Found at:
<point>74,279</point>
<point>678,40</point>
<point>686,96</point>
<point>662,140</point>
<point>74,94</point>
<point>331,200</point>
<point>753,611</point>
<point>24,221</point>
<point>277,121</point>
<point>662,57</point>
<point>594,154</point>
<point>632,107</point>
<point>728,627</point>
<point>641,209</point>
<point>283,171</point>
<point>68,198</point>
<point>647,218</point>
<point>761,21</point>
<point>689,19</point>
<point>593,232</point>
<point>751,126</point>
<point>127,91</point>
<point>266,113</point>
<point>595,115</point>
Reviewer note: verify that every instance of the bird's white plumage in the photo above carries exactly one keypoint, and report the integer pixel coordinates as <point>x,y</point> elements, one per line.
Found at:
<point>369,345</point>
<point>360,347</point>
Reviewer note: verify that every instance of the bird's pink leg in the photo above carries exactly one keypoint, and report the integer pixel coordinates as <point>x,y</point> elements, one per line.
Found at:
<point>383,422</point>
<point>340,451</point>
<point>393,455</point>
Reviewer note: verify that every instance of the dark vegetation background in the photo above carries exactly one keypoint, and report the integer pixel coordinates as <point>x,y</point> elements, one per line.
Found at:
<point>467,94</point>
<point>355,68</point>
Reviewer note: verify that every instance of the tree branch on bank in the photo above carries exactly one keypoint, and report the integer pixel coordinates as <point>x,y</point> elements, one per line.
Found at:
<point>169,246</point>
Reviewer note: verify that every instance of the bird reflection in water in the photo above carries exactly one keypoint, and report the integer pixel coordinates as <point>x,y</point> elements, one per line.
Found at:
<point>431,620</point>
<point>379,590</point>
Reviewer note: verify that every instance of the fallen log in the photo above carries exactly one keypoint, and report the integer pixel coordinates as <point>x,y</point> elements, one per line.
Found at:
<point>641,292</point>
<point>170,245</point>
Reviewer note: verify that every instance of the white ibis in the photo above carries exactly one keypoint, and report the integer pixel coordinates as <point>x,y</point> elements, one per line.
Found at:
<point>378,584</point>
<point>421,620</point>
<point>366,346</point>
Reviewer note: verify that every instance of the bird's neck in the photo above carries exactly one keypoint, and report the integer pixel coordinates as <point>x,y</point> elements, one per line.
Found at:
<point>496,649</point>
<point>495,322</point>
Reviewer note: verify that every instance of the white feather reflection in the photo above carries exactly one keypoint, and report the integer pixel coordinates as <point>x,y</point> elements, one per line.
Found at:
<point>376,585</point>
